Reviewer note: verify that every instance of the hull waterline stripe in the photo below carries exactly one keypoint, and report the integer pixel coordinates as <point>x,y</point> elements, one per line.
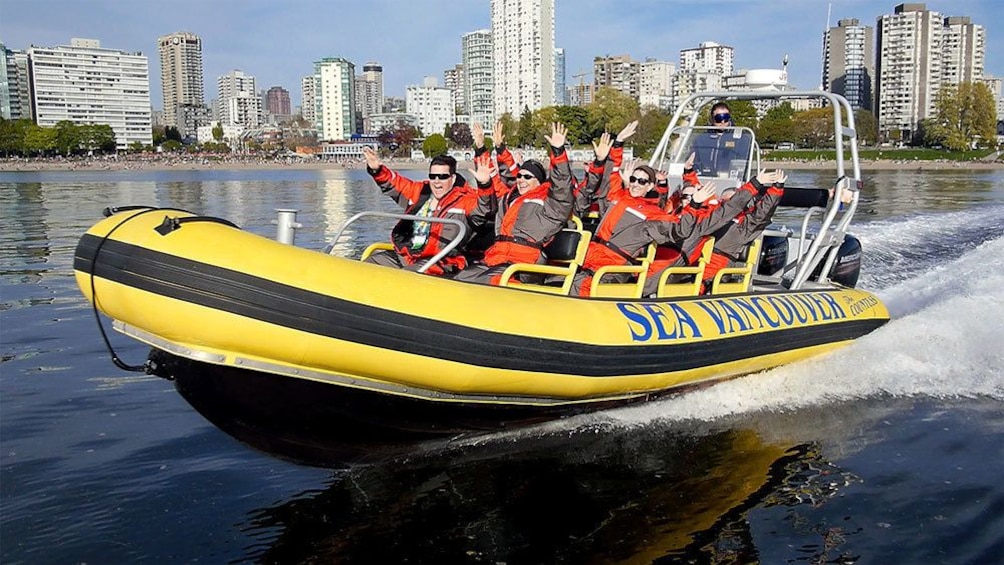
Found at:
<point>298,309</point>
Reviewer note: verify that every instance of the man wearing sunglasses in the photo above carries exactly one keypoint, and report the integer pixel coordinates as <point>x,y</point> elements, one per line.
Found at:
<point>724,151</point>
<point>526,215</point>
<point>444,195</point>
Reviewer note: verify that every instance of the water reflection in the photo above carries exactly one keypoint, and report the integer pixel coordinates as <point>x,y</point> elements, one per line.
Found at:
<point>592,496</point>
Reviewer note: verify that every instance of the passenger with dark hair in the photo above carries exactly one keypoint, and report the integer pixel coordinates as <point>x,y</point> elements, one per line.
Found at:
<point>527,215</point>
<point>444,195</point>
<point>723,152</point>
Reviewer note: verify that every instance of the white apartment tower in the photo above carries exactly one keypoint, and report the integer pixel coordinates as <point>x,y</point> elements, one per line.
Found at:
<point>239,102</point>
<point>523,49</point>
<point>180,72</point>
<point>334,91</point>
<point>308,101</point>
<point>432,105</point>
<point>848,62</point>
<point>708,57</point>
<point>655,83</point>
<point>86,84</point>
<point>918,51</point>
<point>963,48</point>
<point>479,72</point>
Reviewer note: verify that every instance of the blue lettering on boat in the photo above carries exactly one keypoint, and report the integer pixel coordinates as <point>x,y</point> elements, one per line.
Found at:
<point>664,321</point>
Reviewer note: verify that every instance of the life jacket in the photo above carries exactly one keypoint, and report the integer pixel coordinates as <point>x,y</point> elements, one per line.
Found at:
<point>459,201</point>
<point>508,247</point>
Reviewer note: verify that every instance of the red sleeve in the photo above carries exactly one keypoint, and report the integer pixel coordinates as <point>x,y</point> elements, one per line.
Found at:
<point>410,189</point>
<point>506,159</point>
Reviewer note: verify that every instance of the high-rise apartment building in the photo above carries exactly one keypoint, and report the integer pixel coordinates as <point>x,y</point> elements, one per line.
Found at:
<point>180,72</point>
<point>277,101</point>
<point>708,57</point>
<point>655,83</point>
<point>559,77</point>
<point>918,50</point>
<point>308,100</point>
<point>523,54</point>
<point>432,105</point>
<point>963,48</point>
<point>479,72</point>
<point>848,62</point>
<point>369,90</point>
<point>454,80</point>
<point>908,66</point>
<point>239,102</point>
<point>619,72</point>
<point>86,84</point>
<point>334,93</point>
<point>15,90</point>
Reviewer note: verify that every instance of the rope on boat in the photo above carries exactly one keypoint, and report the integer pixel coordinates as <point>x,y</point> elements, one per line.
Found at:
<point>169,225</point>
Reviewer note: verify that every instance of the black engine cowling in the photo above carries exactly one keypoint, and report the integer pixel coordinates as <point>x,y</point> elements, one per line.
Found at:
<point>773,255</point>
<point>847,267</point>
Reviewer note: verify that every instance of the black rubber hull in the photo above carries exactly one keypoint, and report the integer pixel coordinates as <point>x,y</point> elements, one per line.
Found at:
<point>327,425</point>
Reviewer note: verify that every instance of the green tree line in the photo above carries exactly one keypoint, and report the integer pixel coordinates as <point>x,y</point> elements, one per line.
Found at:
<point>27,139</point>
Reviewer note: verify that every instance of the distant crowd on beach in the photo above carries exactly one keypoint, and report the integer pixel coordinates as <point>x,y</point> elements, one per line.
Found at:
<point>196,161</point>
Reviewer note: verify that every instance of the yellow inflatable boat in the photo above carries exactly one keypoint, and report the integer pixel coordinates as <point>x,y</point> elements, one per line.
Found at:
<point>294,350</point>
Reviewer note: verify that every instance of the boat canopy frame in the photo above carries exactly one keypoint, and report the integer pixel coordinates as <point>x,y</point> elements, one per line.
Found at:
<point>392,215</point>
<point>836,217</point>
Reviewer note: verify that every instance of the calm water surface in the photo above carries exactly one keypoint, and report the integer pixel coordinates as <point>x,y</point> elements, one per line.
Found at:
<point>890,451</point>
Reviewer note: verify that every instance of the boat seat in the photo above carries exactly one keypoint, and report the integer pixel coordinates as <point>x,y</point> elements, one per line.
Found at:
<point>374,247</point>
<point>744,272</point>
<point>631,289</point>
<point>692,275</point>
<point>565,254</point>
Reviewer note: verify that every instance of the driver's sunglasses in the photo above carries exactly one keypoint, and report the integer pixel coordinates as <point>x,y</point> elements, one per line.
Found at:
<point>721,118</point>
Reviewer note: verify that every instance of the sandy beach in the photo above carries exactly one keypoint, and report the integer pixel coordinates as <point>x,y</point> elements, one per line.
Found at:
<point>195,164</point>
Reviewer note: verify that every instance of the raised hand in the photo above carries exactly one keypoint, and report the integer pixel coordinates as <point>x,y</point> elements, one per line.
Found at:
<point>690,161</point>
<point>628,168</point>
<point>498,135</point>
<point>602,149</point>
<point>482,171</point>
<point>661,177</point>
<point>372,159</point>
<point>628,131</point>
<point>558,134</point>
<point>478,133</point>
<point>766,178</point>
<point>781,177</point>
<point>704,192</point>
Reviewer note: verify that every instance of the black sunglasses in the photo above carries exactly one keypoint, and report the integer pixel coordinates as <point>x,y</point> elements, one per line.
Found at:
<point>720,118</point>
<point>440,176</point>
<point>641,182</point>
<point>526,176</point>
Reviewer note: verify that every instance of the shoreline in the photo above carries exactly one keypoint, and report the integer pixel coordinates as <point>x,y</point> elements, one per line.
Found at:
<point>27,166</point>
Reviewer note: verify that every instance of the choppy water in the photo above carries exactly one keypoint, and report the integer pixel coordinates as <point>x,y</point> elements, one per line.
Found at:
<point>891,451</point>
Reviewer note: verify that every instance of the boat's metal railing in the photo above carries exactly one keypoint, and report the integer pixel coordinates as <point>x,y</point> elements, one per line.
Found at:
<point>391,215</point>
<point>830,232</point>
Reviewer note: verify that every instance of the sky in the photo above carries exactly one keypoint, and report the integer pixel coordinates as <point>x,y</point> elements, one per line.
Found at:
<point>277,41</point>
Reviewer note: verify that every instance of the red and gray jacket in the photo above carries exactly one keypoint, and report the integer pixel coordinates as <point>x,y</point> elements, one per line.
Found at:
<point>524,223</point>
<point>412,195</point>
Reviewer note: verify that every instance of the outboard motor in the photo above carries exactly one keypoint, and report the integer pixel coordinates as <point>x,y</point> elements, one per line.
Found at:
<point>773,255</point>
<point>847,267</point>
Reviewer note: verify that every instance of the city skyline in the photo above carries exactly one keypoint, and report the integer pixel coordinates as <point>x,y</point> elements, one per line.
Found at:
<point>412,40</point>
